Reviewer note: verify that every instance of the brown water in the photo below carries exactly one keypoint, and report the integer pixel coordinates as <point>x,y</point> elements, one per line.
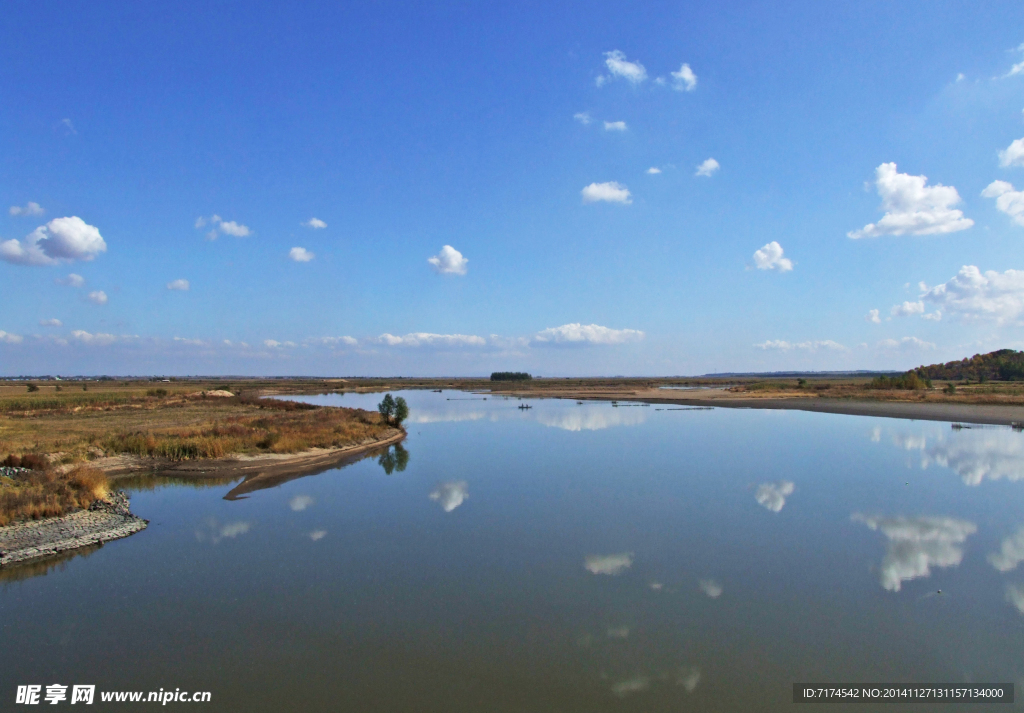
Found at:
<point>563,558</point>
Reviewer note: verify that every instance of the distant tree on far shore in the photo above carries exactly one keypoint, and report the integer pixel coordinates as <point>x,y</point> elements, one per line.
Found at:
<point>510,376</point>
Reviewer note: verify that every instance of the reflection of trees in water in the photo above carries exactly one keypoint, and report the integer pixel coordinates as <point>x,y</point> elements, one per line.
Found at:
<point>394,458</point>
<point>41,567</point>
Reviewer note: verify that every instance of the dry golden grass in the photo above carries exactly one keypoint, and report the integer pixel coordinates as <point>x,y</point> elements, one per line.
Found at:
<point>37,494</point>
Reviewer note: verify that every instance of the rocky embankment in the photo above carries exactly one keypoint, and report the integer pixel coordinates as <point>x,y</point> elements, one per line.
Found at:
<point>105,520</point>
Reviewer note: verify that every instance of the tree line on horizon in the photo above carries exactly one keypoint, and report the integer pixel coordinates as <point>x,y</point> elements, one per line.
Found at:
<point>1000,365</point>
<point>510,376</point>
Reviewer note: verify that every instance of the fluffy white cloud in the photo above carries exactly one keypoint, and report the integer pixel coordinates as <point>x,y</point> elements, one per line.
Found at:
<point>906,344</point>
<point>190,342</point>
<point>317,535</point>
<point>907,308</point>
<point>449,262</point>
<point>1011,554</point>
<point>426,339</point>
<point>1015,592</point>
<point>653,170</point>
<point>614,126</point>
<point>913,208</point>
<point>784,346</point>
<point>582,117</point>
<point>300,255</point>
<point>1008,199</point>
<point>274,344</point>
<point>611,565</point>
<point>99,297</point>
<point>1012,155</point>
<point>333,341</point>
<point>100,339</point>
<point>451,494</point>
<point>707,168</point>
<point>60,240</point>
<point>872,316</point>
<point>916,544</point>
<point>770,258</point>
<point>315,224</point>
<point>1017,68</point>
<point>8,338</point>
<point>583,334</point>
<point>29,208</point>
<point>619,66</point>
<point>684,80</point>
<point>974,295</point>
<point>710,587</point>
<point>773,495</point>
<point>182,285</point>
<point>610,192</point>
<point>300,503</point>
<point>71,280</point>
<point>50,323</point>
<point>228,227</point>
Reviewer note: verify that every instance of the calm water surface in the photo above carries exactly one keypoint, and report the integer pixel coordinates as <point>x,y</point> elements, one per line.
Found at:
<point>563,558</point>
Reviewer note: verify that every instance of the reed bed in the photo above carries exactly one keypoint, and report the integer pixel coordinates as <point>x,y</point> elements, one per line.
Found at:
<point>31,495</point>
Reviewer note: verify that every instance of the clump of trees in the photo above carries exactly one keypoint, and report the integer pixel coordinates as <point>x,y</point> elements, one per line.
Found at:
<point>510,376</point>
<point>1003,364</point>
<point>910,381</point>
<point>393,410</point>
<point>32,387</point>
<point>394,459</point>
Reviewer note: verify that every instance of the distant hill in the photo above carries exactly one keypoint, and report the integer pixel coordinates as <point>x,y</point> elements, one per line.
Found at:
<point>1004,365</point>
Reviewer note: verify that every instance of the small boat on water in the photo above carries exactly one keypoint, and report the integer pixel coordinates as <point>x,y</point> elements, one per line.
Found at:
<point>525,406</point>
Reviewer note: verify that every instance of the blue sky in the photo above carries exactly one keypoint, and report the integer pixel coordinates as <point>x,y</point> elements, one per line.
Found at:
<point>514,146</point>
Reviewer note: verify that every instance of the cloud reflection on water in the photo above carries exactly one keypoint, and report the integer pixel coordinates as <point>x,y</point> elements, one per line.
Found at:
<point>916,544</point>
<point>609,564</point>
<point>773,495</point>
<point>591,417</point>
<point>1015,595</point>
<point>215,532</point>
<point>1011,554</point>
<point>451,494</point>
<point>972,453</point>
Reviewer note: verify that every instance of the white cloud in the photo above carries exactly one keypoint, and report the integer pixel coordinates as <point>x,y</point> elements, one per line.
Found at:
<point>29,208</point>
<point>100,339</point>
<point>684,80</point>
<point>1015,592</point>
<point>1017,68</point>
<point>182,285</point>
<point>50,323</point>
<point>1012,155</point>
<point>1008,199</point>
<point>274,344</point>
<point>974,295</point>
<point>584,334</point>
<point>773,495</point>
<point>451,494</point>
<point>449,261</point>
<point>614,126</point>
<point>710,587</point>
<point>300,255</point>
<point>619,66</point>
<point>190,342</point>
<point>906,344</point>
<point>784,346</point>
<point>333,341</point>
<point>611,565</point>
<point>317,535</point>
<point>60,240</point>
<point>582,117</point>
<point>610,192</point>
<point>68,126</point>
<point>873,317</point>
<point>71,280</point>
<point>426,339</point>
<point>228,227</point>
<point>1011,554</point>
<point>913,208</point>
<point>8,338</point>
<point>961,77</point>
<point>99,297</point>
<point>916,544</point>
<point>315,224</point>
<point>707,168</point>
<point>654,170</point>
<point>906,309</point>
<point>770,258</point>
<point>300,503</point>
